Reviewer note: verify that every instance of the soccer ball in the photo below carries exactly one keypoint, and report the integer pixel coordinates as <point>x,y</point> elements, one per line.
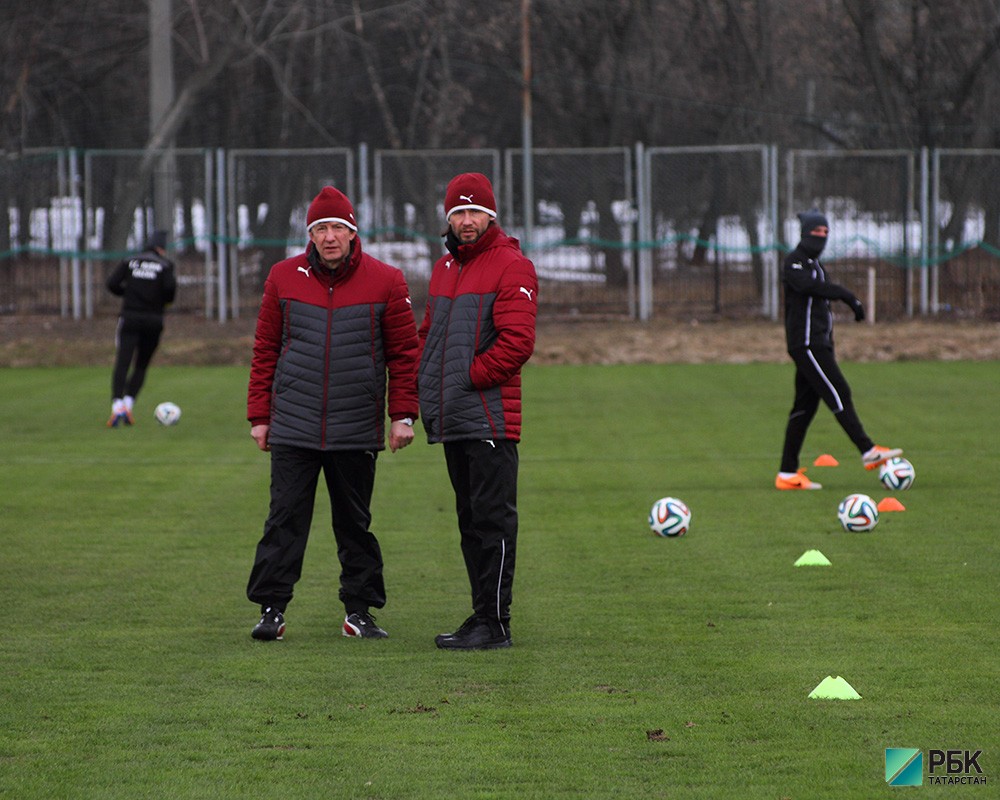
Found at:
<point>857,513</point>
<point>896,474</point>
<point>168,413</point>
<point>669,517</point>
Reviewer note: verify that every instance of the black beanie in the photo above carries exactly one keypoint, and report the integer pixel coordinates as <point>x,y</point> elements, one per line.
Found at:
<point>810,219</point>
<point>157,239</point>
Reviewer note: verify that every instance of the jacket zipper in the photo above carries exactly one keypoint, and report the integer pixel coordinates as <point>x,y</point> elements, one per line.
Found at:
<point>444,343</point>
<point>326,367</point>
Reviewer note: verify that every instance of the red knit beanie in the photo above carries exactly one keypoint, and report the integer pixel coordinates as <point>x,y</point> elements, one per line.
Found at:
<point>331,205</point>
<point>470,190</point>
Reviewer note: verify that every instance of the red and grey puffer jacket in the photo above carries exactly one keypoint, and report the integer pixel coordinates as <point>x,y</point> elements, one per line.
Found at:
<point>477,333</point>
<point>323,345</point>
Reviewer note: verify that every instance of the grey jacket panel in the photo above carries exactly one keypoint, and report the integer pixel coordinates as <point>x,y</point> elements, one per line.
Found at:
<point>450,407</point>
<point>330,385</point>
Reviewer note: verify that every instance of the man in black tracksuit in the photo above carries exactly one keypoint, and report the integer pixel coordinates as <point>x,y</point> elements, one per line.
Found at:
<point>809,338</point>
<point>147,284</point>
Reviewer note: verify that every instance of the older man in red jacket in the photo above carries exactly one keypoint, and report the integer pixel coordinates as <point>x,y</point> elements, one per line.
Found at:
<point>333,323</point>
<point>477,333</point>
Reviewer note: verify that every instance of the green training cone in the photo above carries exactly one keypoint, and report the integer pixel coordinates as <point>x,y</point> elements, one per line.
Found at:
<point>831,688</point>
<point>812,558</point>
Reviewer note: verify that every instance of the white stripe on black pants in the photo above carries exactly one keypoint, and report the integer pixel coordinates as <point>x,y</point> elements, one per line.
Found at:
<point>484,477</point>
<point>818,377</point>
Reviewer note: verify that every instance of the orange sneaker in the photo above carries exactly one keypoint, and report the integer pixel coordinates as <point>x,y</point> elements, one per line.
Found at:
<point>797,481</point>
<point>123,417</point>
<point>877,456</point>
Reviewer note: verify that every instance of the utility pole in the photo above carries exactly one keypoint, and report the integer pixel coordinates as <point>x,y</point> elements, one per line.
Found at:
<point>528,171</point>
<point>161,97</point>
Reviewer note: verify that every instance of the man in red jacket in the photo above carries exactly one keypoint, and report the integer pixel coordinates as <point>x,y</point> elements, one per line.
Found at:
<point>333,323</point>
<point>477,333</point>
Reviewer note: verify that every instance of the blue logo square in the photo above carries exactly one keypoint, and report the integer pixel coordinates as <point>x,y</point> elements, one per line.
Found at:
<point>904,766</point>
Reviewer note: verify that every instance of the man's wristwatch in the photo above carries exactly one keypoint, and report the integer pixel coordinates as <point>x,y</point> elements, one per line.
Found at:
<point>406,421</point>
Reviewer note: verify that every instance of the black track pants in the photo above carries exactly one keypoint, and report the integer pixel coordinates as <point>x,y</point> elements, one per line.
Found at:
<point>484,476</point>
<point>135,340</point>
<point>818,377</point>
<point>350,478</point>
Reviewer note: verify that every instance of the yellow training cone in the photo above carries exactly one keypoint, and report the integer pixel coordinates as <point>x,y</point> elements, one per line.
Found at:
<point>831,688</point>
<point>812,558</point>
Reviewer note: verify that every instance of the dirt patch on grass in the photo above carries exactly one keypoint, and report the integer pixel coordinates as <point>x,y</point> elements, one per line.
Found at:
<point>194,340</point>
<point>742,342</point>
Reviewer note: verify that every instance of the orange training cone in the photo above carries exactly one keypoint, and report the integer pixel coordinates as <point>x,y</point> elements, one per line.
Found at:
<point>826,460</point>
<point>891,504</point>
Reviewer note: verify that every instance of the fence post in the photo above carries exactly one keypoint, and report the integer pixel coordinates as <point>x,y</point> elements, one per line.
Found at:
<point>772,212</point>
<point>645,278</point>
<point>767,271</point>
<point>65,214</point>
<point>209,165</point>
<point>221,237</point>
<point>365,210</point>
<point>933,233</point>
<point>232,240</point>
<point>871,296</point>
<point>907,257</point>
<point>924,227</point>
<point>76,204</point>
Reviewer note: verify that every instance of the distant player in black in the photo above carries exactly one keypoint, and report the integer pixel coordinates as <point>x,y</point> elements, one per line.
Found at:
<point>147,284</point>
<point>809,338</point>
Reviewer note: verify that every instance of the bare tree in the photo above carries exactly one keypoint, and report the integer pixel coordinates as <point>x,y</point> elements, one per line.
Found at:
<point>433,73</point>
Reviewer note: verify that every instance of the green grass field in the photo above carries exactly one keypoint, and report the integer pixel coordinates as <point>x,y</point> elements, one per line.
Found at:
<point>129,672</point>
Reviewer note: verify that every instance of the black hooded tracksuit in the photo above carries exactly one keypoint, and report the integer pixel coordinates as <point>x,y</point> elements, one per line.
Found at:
<point>809,339</point>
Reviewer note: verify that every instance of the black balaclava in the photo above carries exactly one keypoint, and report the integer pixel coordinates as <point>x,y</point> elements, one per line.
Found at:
<point>812,245</point>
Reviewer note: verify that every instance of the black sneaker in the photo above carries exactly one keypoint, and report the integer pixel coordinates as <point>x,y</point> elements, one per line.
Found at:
<point>476,633</point>
<point>462,630</point>
<point>270,627</point>
<point>363,624</point>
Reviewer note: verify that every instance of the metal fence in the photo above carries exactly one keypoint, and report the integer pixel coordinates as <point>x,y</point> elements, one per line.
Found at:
<point>709,219</point>
<point>267,198</point>
<point>871,199</point>
<point>35,270</point>
<point>962,250</point>
<point>407,208</point>
<point>120,190</point>
<point>581,237</point>
<point>625,232</point>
